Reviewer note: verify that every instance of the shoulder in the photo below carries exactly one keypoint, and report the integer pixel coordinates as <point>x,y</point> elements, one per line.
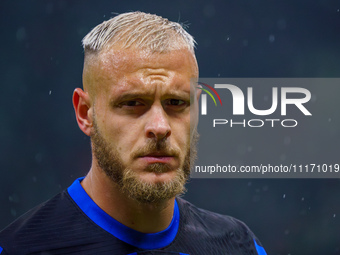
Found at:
<point>47,226</point>
<point>31,227</point>
<point>210,220</point>
<point>37,215</point>
<point>217,232</point>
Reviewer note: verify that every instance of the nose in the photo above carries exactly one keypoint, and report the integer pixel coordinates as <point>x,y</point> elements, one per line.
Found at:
<point>157,125</point>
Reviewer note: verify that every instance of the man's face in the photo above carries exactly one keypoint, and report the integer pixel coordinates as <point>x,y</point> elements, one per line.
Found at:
<point>142,108</point>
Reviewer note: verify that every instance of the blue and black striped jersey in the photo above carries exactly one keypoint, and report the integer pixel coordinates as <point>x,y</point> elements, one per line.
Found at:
<point>71,223</point>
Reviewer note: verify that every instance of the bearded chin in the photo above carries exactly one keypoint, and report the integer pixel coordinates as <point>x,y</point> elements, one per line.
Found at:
<point>128,180</point>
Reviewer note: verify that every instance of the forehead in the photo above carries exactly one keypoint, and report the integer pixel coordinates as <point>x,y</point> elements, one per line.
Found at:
<point>122,67</point>
<point>132,58</point>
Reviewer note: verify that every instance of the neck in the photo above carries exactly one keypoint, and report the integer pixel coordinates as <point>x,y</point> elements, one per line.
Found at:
<point>145,218</point>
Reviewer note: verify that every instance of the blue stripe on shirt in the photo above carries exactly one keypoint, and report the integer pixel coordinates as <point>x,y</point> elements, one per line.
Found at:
<point>260,250</point>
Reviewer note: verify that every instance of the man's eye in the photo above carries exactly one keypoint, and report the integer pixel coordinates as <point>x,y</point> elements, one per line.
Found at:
<point>176,102</point>
<point>132,103</point>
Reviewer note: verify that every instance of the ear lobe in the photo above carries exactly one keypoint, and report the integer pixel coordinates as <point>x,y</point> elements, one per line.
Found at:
<point>82,108</point>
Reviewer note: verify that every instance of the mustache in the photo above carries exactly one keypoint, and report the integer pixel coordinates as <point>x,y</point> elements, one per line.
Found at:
<point>156,146</point>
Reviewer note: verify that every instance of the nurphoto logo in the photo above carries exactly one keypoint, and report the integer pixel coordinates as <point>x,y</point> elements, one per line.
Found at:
<point>204,97</point>
<point>281,97</point>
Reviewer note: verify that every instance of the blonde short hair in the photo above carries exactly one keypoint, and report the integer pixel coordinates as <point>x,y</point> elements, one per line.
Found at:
<point>139,30</point>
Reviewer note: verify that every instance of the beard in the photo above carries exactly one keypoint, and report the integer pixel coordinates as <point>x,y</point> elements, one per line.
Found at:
<point>128,180</point>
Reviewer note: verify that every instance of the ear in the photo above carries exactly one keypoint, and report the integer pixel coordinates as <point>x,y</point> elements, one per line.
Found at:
<point>83,110</point>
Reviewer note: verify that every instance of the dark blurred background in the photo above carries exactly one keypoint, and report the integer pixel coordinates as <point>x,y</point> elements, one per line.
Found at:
<point>42,150</point>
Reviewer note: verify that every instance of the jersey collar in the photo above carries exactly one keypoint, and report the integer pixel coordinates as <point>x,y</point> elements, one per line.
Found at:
<point>122,232</point>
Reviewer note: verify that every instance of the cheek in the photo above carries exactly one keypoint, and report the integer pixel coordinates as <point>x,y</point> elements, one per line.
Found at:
<point>182,132</point>
<point>112,129</point>
<point>125,135</point>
